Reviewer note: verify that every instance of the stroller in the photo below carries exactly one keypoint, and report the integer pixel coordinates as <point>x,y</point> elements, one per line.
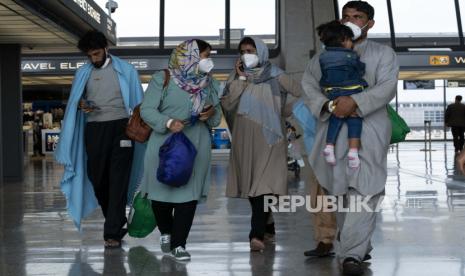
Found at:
<point>294,155</point>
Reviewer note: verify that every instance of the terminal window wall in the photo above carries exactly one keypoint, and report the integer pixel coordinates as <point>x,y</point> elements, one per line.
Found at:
<point>138,21</point>
<point>253,18</point>
<point>426,20</point>
<point>451,92</point>
<point>415,112</point>
<point>462,12</point>
<point>201,19</point>
<point>431,107</point>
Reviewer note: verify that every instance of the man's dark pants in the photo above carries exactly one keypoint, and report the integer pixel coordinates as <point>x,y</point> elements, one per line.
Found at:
<point>109,160</point>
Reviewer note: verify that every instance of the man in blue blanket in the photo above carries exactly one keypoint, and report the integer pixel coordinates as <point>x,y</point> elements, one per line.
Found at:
<point>100,162</point>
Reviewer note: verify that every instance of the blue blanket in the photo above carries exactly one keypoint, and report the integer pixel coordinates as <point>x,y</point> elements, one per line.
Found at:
<point>307,122</point>
<point>70,150</point>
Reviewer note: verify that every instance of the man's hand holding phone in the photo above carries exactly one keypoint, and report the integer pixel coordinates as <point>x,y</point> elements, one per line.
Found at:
<point>87,106</point>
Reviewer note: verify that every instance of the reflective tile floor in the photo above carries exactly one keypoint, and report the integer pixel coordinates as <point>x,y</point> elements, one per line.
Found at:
<point>421,229</point>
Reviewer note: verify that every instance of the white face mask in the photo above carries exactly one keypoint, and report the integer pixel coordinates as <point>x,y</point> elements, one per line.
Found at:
<point>250,60</point>
<point>355,29</point>
<point>206,65</point>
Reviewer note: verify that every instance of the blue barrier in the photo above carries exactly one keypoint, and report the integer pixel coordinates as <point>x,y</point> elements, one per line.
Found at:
<point>220,139</point>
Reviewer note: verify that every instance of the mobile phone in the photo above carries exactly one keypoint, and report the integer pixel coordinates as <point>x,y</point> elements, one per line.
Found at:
<point>241,65</point>
<point>206,108</point>
<point>91,105</point>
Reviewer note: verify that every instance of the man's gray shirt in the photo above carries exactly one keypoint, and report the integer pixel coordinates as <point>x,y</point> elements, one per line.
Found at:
<point>104,90</point>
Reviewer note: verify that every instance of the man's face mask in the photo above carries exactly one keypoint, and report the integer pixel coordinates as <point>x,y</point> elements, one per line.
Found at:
<point>250,60</point>
<point>206,65</point>
<point>355,29</point>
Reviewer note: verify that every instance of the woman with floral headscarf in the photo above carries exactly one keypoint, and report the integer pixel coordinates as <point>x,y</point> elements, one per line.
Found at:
<point>254,103</point>
<point>189,103</point>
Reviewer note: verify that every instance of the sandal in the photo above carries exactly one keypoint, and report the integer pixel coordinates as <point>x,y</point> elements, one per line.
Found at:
<point>111,243</point>
<point>256,245</point>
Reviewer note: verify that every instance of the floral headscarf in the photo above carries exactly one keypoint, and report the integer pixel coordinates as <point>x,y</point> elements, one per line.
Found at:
<point>183,66</point>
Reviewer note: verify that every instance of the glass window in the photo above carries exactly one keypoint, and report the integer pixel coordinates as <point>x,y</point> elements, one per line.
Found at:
<point>462,13</point>
<point>425,23</point>
<point>451,93</point>
<point>434,116</point>
<point>417,105</point>
<point>439,116</point>
<point>381,27</point>
<point>257,18</point>
<point>203,19</point>
<point>137,22</point>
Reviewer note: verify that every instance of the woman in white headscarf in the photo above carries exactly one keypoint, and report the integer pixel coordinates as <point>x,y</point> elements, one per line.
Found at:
<point>253,102</point>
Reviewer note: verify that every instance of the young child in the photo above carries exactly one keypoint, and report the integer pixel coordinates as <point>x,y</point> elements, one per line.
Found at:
<point>342,75</point>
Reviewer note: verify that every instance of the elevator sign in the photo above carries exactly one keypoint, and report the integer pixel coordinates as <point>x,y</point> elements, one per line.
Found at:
<point>50,66</point>
<point>439,60</point>
<point>70,66</point>
<point>455,59</point>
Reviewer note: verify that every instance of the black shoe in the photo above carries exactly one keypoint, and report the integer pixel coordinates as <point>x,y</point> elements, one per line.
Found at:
<point>352,267</point>
<point>322,250</point>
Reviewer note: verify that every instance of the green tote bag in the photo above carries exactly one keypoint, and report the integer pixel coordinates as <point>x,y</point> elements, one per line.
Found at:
<point>141,220</point>
<point>399,126</point>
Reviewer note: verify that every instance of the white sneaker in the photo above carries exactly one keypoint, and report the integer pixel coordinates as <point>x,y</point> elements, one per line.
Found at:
<point>180,254</point>
<point>165,243</point>
<point>328,153</point>
<point>354,160</point>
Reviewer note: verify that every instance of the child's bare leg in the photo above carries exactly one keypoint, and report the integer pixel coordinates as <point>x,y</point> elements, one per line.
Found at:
<point>354,160</point>
<point>354,143</point>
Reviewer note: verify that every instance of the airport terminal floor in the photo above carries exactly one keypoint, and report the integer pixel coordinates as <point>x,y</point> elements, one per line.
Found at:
<point>420,230</point>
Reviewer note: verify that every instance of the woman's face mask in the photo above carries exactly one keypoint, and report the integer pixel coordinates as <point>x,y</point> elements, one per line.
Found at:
<point>206,65</point>
<point>250,60</point>
<point>355,29</point>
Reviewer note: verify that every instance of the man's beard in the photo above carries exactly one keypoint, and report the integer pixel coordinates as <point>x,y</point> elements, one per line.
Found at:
<point>100,63</point>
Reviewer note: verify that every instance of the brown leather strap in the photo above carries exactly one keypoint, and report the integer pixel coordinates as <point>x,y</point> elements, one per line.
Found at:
<point>167,78</point>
